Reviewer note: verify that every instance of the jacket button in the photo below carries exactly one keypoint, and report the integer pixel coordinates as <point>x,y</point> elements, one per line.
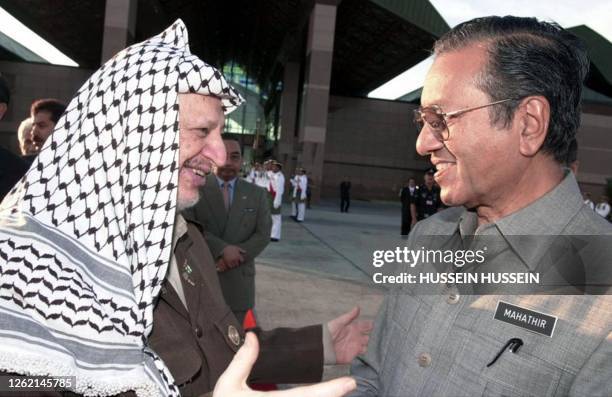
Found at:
<point>424,360</point>
<point>453,298</point>
<point>198,332</point>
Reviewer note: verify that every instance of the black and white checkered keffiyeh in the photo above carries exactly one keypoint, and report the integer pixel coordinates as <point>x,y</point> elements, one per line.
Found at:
<point>85,237</point>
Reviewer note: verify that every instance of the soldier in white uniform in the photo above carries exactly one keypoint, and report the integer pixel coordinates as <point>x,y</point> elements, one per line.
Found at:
<point>603,208</point>
<point>293,182</point>
<point>261,177</point>
<point>278,183</point>
<point>300,184</point>
<point>252,173</point>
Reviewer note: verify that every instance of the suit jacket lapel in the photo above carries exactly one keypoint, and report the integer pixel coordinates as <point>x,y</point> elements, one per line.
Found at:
<point>188,269</point>
<point>203,272</point>
<point>169,295</point>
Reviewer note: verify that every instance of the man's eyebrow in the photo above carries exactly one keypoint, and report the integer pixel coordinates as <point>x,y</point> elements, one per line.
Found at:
<point>203,121</point>
<point>436,105</point>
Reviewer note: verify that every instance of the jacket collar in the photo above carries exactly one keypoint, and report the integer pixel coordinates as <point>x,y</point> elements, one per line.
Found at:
<point>547,216</point>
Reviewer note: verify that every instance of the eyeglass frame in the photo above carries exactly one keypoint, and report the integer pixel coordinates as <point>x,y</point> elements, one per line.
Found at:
<point>419,121</point>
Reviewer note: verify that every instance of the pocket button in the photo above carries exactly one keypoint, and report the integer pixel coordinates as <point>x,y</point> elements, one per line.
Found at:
<point>424,360</point>
<point>453,298</point>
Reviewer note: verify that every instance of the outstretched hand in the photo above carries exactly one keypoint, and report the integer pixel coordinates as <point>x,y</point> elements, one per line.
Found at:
<point>232,382</point>
<point>349,335</point>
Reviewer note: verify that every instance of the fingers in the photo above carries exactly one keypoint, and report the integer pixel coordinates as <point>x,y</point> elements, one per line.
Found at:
<point>221,265</point>
<point>364,344</point>
<point>333,388</point>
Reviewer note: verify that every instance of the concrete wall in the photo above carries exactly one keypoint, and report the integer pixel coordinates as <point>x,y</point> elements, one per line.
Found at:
<point>373,143</point>
<point>29,81</point>
<point>595,153</point>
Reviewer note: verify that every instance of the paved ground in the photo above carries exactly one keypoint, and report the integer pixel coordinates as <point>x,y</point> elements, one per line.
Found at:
<point>334,244</point>
<point>321,267</point>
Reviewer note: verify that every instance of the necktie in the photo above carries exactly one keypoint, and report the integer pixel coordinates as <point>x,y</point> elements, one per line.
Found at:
<point>226,197</point>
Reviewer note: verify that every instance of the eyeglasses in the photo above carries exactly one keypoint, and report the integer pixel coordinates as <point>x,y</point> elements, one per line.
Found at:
<point>437,120</point>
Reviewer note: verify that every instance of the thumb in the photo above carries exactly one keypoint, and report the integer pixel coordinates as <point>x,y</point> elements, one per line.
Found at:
<point>348,317</point>
<point>239,369</point>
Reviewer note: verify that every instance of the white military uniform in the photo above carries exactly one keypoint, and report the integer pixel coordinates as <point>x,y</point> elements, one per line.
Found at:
<point>300,184</point>
<point>278,182</point>
<point>251,176</point>
<point>603,209</point>
<point>293,182</point>
<point>262,180</point>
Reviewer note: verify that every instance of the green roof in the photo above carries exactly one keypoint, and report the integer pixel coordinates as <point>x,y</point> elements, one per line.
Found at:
<point>20,51</point>
<point>413,96</point>
<point>420,13</point>
<point>592,96</point>
<point>600,50</point>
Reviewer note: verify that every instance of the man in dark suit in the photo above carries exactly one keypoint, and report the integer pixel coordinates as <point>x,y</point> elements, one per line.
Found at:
<point>345,194</point>
<point>12,167</point>
<point>407,197</point>
<point>427,201</point>
<point>235,216</point>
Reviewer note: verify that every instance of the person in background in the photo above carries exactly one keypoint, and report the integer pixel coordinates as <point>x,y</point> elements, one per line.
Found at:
<point>300,185</point>
<point>45,114</point>
<point>603,207</point>
<point>235,216</point>
<point>309,186</point>
<point>278,184</point>
<point>26,144</point>
<point>12,167</point>
<point>252,172</point>
<point>407,197</point>
<point>345,194</point>
<point>427,201</point>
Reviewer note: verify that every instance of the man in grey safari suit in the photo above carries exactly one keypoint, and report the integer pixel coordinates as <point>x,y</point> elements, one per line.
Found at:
<point>235,216</point>
<point>500,110</point>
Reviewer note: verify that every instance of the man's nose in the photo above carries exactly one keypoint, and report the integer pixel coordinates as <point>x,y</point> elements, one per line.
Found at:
<point>427,142</point>
<point>215,149</point>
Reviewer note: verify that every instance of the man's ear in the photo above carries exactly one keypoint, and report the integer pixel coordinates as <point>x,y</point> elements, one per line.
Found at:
<point>3,108</point>
<point>534,118</point>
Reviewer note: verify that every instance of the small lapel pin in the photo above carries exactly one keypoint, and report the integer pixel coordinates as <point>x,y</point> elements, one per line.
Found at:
<point>186,272</point>
<point>233,335</point>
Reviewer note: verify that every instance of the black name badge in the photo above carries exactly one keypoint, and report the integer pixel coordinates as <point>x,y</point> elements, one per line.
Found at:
<point>541,323</point>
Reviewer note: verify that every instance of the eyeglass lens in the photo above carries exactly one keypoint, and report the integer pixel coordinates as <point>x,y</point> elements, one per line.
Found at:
<point>433,119</point>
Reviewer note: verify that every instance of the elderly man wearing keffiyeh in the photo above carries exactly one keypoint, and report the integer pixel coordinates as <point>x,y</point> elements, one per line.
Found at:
<point>86,237</point>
